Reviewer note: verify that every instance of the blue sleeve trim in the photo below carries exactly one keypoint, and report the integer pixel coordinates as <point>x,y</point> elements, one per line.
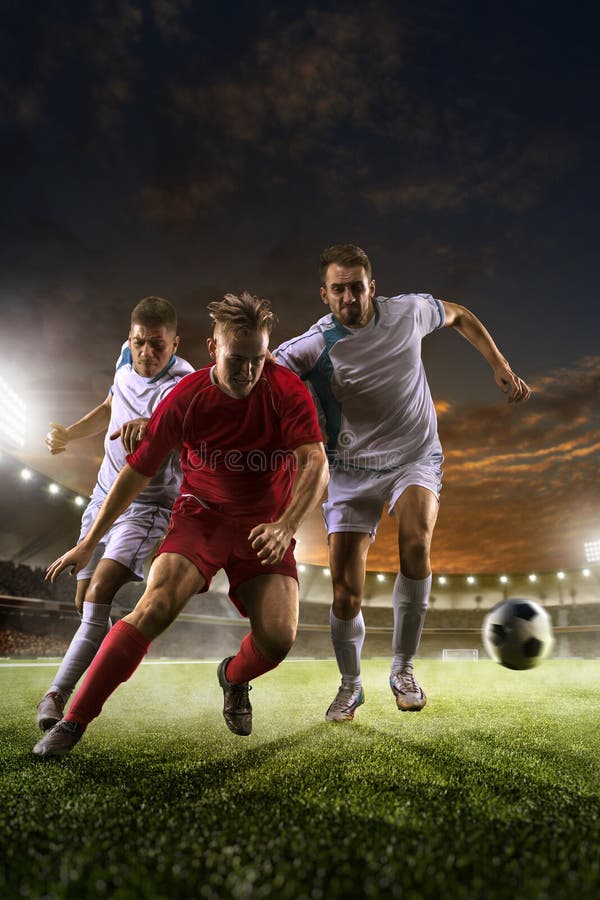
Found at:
<point>125,359</point>
<point>441,312</point>
<point>160,375</point>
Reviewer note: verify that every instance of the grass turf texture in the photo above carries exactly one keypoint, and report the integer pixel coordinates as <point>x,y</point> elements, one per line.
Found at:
<point>492,791</point>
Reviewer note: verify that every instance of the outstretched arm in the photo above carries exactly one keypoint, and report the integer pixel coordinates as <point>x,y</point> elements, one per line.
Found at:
<point>467,324</point>
<point>92,423</point>
<point>125,489</point>
<point>271,539</point>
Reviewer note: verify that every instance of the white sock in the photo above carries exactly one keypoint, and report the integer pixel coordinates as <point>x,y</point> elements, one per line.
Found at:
<point>95,624</point>
<point>347,637</point>
<point>409,599</point>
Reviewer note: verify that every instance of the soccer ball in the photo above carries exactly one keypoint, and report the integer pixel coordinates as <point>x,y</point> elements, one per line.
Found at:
<point>517,634</point>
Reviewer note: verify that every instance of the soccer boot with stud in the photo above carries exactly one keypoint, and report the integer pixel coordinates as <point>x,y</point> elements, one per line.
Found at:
<point>346,702</point>
<point>409,694</point>
<point>50,709</point>
<point>237,709</point>
<point>59,741</point>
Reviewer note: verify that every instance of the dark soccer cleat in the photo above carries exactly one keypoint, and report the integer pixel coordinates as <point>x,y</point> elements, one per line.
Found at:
<point>50,709</point>
<point>237,709</point>
<point>409,694</point>
<point>347,700</point>
<point>59,741</point>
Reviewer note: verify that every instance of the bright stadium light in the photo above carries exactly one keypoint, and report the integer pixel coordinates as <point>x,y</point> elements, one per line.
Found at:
<point>586,573</point>
<point>442,579</point>
<point>561,576</point>
<point>503,579</point>
<point>533,578</point>
<point>79,501</point>
<point>592,551</point>
<point>12,418</point>
<point>326,573</point>
<point>302,568</point>
<point>470,579</point>
<point>53,488</point>
<point>381,576</point>
<point>26,474</point>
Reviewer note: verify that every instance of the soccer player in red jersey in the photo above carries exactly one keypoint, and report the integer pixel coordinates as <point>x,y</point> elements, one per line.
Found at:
<point>253,467</point>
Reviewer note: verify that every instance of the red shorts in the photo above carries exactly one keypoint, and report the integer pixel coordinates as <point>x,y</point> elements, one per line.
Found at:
<point>212,540</point>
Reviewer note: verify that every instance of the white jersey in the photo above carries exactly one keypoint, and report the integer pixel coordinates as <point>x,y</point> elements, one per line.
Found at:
<point>135,397</point>
<point>372,394</point>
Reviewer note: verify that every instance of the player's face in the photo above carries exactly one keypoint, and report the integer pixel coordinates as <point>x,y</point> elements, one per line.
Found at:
<point>239,359</point>
<point>151,349</point>
<point>349,294</point>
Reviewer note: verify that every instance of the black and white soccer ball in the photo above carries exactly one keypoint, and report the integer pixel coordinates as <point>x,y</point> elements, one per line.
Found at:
<point>518,634</point>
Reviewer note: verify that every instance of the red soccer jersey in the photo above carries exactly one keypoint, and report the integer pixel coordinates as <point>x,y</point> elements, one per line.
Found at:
<point>235,453</point>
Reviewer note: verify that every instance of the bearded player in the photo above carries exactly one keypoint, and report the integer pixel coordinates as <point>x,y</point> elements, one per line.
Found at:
<point>363,362</point>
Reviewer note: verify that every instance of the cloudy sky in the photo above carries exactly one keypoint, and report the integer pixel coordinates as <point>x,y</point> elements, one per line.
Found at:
<point>188,149</point>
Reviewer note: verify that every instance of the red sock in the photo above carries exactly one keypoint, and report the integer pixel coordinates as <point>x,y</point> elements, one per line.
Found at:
<point>249,663</point>
<point>120,653</point>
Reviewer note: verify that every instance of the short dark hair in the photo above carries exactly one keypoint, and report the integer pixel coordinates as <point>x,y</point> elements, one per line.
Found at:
<point>154,312</point>
<point>344,255</point>
<point>243,313</point>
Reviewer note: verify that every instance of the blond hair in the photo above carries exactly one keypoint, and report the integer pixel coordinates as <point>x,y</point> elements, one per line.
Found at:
<point>243,313</point>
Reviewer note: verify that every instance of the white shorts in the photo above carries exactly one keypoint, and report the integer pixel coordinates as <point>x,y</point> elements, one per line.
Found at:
<point>356,497</point>
<point>130,540</point>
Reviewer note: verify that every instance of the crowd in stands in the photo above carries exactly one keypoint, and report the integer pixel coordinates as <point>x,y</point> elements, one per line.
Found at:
<point>18,580</point>
<point>23,633</point>
<point>14,642</point>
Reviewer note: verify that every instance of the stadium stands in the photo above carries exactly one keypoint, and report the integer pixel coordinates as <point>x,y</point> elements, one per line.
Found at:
<point>39,619</point>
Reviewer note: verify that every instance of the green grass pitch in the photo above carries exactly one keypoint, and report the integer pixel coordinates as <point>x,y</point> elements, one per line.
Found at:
<point>492,791</point>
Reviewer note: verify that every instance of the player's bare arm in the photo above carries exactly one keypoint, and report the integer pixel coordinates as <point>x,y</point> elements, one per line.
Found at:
<point>467,324</point>
<point>125,489</point>
<point>271,539</point>
<point>94,422</point>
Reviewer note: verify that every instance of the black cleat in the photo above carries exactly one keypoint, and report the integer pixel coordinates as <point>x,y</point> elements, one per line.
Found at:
<point>237,709</point>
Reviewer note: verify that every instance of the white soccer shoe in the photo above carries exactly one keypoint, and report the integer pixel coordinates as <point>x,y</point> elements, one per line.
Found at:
<point>347,700</point>
<point>409,694</point>
<point>59,741</point>
<point>50,710</point>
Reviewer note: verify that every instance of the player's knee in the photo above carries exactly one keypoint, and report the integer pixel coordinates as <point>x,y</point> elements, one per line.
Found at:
<point>153,614</point>
<point>99,592</point>
<point>346,602</point>
<point>277,646</point>
<point>414,554</point>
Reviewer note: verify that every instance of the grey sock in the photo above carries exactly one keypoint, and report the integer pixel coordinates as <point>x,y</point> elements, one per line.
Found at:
<point>409,599</point>
<point>95,624</point>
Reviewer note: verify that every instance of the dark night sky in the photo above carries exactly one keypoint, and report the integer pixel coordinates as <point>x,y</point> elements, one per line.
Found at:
<point>188,149</point>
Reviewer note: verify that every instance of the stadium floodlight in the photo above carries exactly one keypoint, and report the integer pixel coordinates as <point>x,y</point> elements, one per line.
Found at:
<point>53,488</point>
<point>12,417</point>
<point>302,567</point>
<point>586,573</point>
<point>592,551</point>
<point>79,501</point>
<point>326,573</point>
<point>503,579</point>
<point>381,576</point>
<point>470,579</point>
<point>561,576</point>
<point>533,577</point>
<point>26,474</point>
<point>442,579</point>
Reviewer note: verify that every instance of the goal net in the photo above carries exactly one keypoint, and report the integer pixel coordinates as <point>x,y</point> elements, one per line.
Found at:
<point>449,655</point>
